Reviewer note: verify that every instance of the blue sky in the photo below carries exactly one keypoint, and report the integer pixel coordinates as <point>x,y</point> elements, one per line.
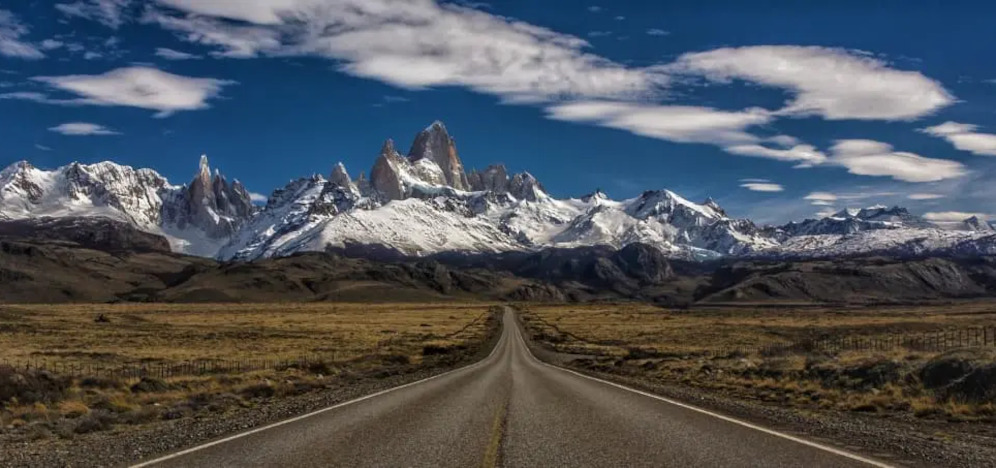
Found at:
<point>778,110</point>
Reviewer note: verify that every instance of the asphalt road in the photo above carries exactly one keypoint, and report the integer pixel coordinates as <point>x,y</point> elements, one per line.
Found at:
<point>511,410</point>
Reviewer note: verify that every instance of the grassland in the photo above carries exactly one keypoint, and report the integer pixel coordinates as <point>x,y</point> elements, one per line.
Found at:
<point>693,348</point>
<point>342,342</point>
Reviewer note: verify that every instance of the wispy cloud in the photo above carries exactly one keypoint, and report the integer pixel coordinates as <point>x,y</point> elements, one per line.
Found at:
<point>258,197</point>
<point>595,9</point>
<point>11,44</point>
<point>657,32</point>
<point>414,45</point>
<point>82,129</point>
<point>142,87</point>
<point>170,54</point>
<point>832,83</point>
<point>965,138</point>
<point>110,13</point>
<point>42,148</point>
<point>762,187</point>
<point>925,196</point>
<point>806,155</point>
<point>952,216</point>
<point>874,158</point>
<point>684,124</point>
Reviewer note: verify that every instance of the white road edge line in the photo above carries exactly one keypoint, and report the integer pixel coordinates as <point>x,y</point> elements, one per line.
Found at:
<point>323,410</point>
<point>826,448</point>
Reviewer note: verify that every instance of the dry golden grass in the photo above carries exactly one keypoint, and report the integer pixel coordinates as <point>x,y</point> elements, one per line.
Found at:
<point>342,342</point>
<point>170,333</point>
<point>603,326</point>
<point>692,348</point>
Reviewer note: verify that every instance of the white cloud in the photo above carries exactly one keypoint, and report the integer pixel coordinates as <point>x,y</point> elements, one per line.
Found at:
<point>258,197</point>
<point>755,180</point>
<point>874,158</point>
<point>683,124</point>
<point>170,54</point>
<point>82,129</point>
<point>826,212</point>
<point>142,87</point>
<point>11,45</point>
<point>620,18</point>
<point>924,196</point>
<point>657,32</point>
<point>952,216</point>
<point>784,141</point>
<point>599,33</point>
<point>807,155</point>
<point>234,41</point>
<point>594,8</point>
<point>413,45</point>
<point>821,196</point>
<point>965,138</point>
<point>762,187</point>
<point>42,148</point>
<point>110,13</point>
<point>51,44</point>
<point>833,83</point>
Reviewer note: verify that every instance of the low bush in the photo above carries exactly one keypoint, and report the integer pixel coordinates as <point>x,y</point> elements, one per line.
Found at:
<point>31,386</point>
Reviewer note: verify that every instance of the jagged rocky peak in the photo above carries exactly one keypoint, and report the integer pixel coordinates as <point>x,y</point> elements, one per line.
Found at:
<point>340,177</point>
<point>435,144</point>
<point>525,187</point>
<point>975,224</point>
<point>214,205</point>
<point>595,197</point>
<point>711,204</point>
<point>385,177</point>
<point>15,179</point>
<point>494,178</point>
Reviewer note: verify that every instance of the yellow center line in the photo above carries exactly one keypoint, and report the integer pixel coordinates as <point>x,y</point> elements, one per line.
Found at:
<point>497,428</point>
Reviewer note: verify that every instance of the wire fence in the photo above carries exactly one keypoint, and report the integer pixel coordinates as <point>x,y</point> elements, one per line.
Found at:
<point>165,370</point>
<point>200,367</point>
<point>935,341</point>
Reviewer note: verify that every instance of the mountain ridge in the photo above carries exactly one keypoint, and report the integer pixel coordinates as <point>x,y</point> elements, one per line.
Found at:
<point>425,203</point>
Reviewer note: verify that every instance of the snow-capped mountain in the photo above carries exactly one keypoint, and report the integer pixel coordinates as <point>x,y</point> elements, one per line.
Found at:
<point>875,230</point>
<point>196,218</point>
<point>425,203</point>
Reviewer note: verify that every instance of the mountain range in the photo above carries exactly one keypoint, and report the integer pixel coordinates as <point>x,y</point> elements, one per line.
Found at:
<point>426,203</point>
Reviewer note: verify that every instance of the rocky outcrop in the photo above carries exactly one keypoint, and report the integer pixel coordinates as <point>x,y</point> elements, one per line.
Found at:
<point>212,204</point>
<point>434,144</point>
<point>525,187</point>
<point>977,225</point>
<point>494,178</point>
<point>385,177</point>
<point>338,195</point>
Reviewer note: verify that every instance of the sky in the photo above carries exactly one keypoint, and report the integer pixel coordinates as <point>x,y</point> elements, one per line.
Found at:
<point>778,110</point>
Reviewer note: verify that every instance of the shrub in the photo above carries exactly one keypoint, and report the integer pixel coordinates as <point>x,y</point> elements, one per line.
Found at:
<point>73,409</point>
<point>149,385</point>
<point>263,390</point>
<point>320,367</point>
<point>100,382</point>
<point>397,359</point>
<point>95,421</point>
<point>31,386</point>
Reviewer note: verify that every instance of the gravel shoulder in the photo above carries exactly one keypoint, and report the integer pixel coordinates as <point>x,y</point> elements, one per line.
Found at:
<point>126,445</point>
<point>902,441</point>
